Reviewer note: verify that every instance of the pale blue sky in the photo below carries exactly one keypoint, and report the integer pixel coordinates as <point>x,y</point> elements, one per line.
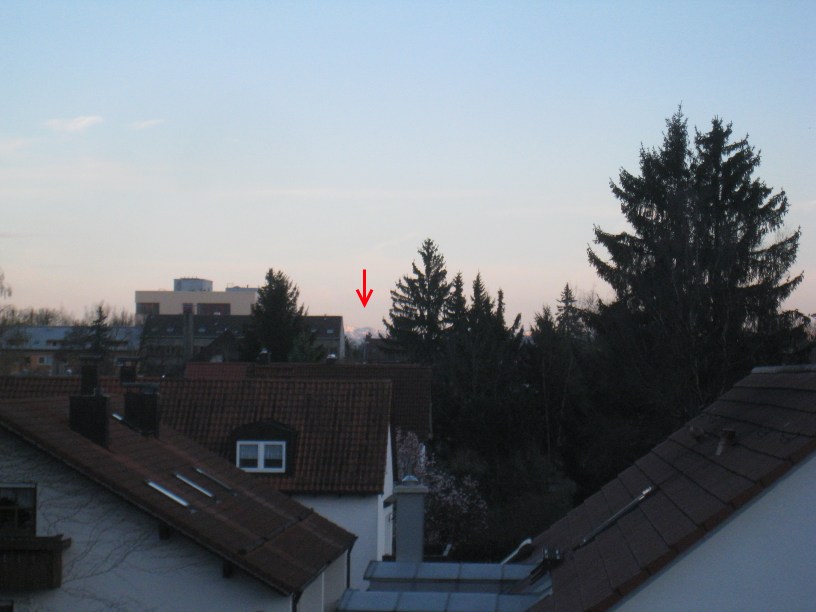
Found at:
<point>145,141</point>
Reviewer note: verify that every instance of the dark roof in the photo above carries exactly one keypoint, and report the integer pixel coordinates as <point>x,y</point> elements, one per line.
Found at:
<point>341,426</point>
<point>411,384</point>
<point>259,530</point>
<point>15,387</point>
<point>772,414</point>
<point>325,326</point>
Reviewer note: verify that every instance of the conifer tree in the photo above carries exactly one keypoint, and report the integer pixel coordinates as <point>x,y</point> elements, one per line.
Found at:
<point>277,325</point>
<point>701,276</point>
<point>417,315</point>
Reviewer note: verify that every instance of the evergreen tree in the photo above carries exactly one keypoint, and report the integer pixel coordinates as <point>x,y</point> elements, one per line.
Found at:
<point>417,314</point>
<point>568,318</point>
<point>701,277</point>
<point>276,331</point>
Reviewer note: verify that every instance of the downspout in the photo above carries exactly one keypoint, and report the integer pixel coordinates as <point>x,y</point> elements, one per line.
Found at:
<point>295,599</point>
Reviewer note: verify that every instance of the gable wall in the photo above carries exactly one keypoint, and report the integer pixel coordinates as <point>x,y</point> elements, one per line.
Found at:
<point>760,559</point>
<point>116,559</point>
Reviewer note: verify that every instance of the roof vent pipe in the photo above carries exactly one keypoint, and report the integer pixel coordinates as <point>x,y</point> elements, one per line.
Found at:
<point>410,529</point>
<point>728,437</point>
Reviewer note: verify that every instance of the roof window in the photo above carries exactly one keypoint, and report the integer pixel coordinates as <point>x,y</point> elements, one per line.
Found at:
<point>261,456</point>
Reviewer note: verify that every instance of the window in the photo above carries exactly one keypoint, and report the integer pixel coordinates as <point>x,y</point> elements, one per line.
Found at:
<point>213,309</point>
<point>257,456</point>
<point>18,509</point>
<point>147,308</point>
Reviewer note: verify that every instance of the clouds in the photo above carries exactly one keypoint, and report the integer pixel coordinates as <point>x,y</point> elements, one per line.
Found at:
<point>10,146</point>
<point>74,125</point>
<point>145,124</point>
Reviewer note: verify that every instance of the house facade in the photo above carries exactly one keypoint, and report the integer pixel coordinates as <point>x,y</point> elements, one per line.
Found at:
<point>136,520</point>
<point>324,443</point>
<point>42,350</point>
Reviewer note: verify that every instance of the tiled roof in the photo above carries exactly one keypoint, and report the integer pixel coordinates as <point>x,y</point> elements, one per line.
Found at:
<point>341,426</point>
<point>411,384</point>
<point>772,414</point>
<point>15,387</point>
<point>198,370</point>
<point>255,528</point>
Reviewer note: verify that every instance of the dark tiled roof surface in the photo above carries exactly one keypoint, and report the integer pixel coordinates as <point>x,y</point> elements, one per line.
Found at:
<point>254,527</point>
<point>411,384</point>
<point>13,387</point>
<point>773,416</point>
<point>202,370</point>
<point>341,426</point>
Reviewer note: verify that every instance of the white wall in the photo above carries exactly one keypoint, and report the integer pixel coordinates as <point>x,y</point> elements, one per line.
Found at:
<point>763,558</point>
<point>365,517</point>
<point>116,559</point>
<point>323,594</point>
<point>172,302</point>
<point>357,514</point>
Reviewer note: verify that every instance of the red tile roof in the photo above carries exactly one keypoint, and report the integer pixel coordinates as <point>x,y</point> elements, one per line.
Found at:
<point>341,426</point>
<point>252,526</point>
<point>15,387</point>
<point>411,384</point>
<point>772,413</point>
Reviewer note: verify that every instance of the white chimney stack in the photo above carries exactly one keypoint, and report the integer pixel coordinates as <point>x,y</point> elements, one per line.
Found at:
<point>410,502</point>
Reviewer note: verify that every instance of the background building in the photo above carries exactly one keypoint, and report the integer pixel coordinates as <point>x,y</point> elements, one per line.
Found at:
<point>195,295</point>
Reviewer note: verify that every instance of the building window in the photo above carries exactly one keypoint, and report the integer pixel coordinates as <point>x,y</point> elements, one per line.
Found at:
<point>213,310</point>
<point>258,456</point>
<point>18,509</point>
<point>147,308</point>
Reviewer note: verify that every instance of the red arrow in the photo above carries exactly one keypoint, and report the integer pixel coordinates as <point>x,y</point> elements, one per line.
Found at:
<point>364,297</point>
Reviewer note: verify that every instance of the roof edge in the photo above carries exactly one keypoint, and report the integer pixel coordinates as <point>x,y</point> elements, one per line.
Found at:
<point>785,369</point>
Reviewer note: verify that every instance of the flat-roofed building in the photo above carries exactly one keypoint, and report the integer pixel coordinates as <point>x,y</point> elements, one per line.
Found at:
<point>195,295</point>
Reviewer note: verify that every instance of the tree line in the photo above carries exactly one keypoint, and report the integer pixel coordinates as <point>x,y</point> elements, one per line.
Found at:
<point>544,418</point>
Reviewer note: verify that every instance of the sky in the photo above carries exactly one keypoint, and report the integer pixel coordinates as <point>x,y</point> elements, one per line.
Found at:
<point>142,142</point>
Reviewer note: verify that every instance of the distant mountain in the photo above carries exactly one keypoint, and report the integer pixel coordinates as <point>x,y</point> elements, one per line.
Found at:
<point>357,335</point>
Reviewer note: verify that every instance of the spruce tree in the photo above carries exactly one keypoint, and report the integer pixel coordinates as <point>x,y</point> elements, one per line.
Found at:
<point>276,331</point>
<point>701,277</point>
<point>417,315</point>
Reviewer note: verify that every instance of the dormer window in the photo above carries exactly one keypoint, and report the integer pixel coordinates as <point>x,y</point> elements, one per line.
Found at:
<point>18,509</point>
<point>261,456</point>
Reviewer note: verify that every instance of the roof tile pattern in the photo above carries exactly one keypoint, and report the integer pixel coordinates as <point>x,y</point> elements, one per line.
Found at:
<point>251,525</point>
<point>15,387</point>
<point>695,488</point>
<point>411,384</point>
<point>342,426</point>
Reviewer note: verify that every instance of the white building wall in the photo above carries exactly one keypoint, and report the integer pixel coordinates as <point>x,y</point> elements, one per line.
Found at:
<point>116,560</point>
<point>385,517</point>
<point>325,592</point>
<point>763,558</point>
<point>172,302</point>
<point>363,515</point>
<point>357,514</point>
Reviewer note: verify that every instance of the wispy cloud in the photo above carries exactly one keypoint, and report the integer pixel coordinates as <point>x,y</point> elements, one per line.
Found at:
<point>14,145</point>
<point>146,123</point>
<point>76,124</point>
<point>331,193</point>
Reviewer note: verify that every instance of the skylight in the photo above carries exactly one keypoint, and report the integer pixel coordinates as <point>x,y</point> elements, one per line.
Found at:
<point>220,483</point>
<point>195,485</point>
<point>167,493</point>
